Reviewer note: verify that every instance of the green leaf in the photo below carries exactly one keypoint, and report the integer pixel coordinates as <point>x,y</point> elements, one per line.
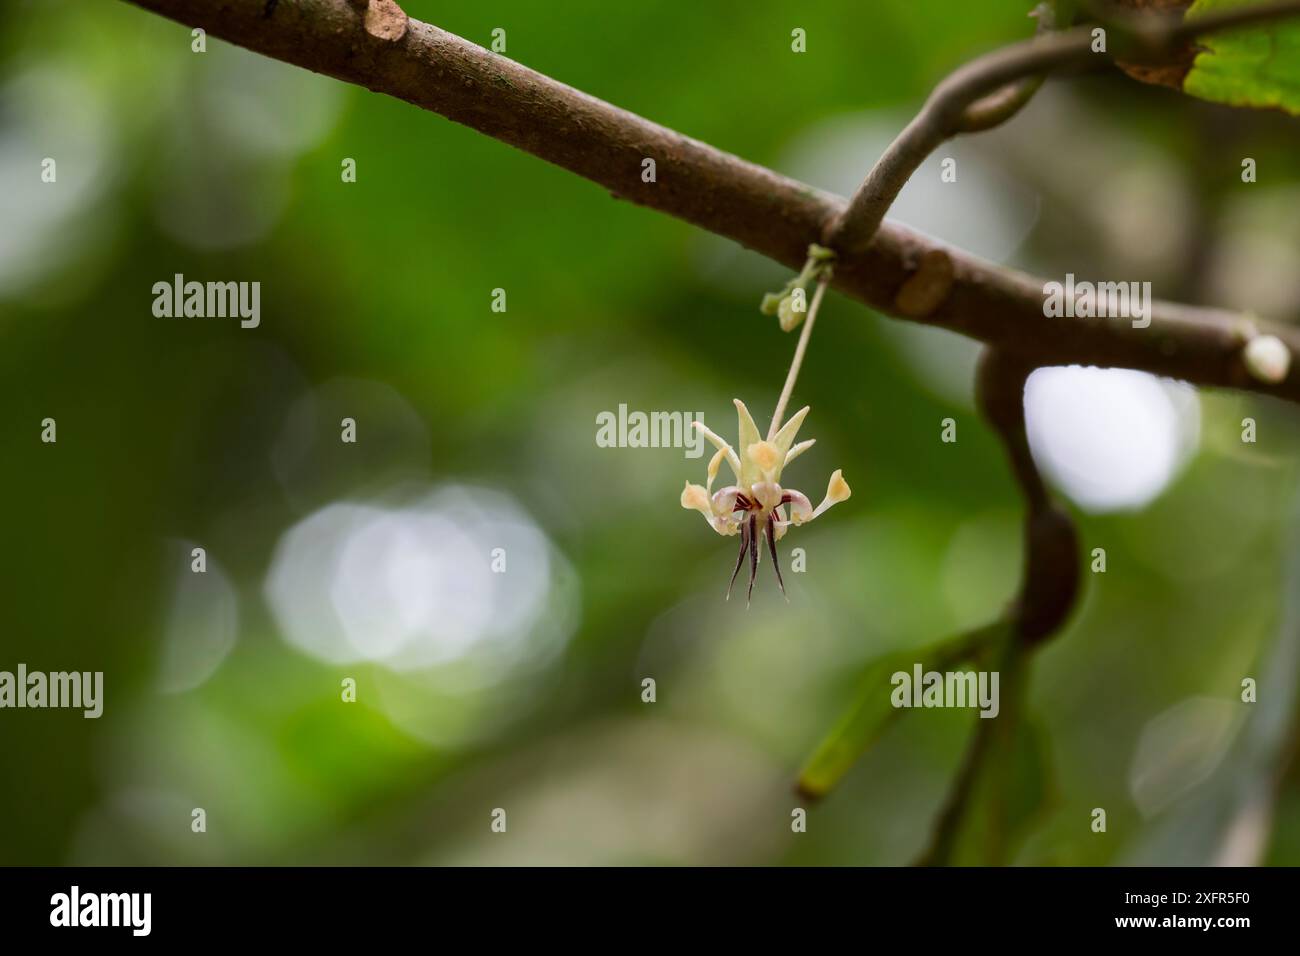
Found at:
<point>860,727</point>
<point>1257,66</point>
<point>872,710</point>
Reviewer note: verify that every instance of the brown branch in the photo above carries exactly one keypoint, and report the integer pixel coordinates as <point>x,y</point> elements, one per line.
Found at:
<point>767,212</point>
<point>1049,586</point>
<point>1050,579</point>
<point>977,96</point>
<point>990,89</point>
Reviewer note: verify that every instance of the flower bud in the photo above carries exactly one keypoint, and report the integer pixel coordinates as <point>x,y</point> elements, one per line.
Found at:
<point>788,317</point>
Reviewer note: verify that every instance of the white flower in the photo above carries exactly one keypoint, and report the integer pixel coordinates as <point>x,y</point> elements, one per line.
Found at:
<point>757,504</point>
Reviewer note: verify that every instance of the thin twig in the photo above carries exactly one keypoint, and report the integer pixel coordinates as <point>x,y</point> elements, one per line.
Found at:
<point>797,362</point>
<point>1148,37</point>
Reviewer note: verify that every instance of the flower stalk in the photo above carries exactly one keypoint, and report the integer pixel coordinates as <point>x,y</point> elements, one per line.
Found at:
<point>797,362</point>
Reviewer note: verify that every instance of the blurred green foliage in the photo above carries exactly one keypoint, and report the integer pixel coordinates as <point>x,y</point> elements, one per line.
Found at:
<point>223,165</point>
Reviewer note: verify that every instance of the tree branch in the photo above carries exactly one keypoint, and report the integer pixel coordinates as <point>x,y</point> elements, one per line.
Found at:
<point>990,89</point>
<point>769,213</point>
<point>1049,585</point>
<point>1050,579</point>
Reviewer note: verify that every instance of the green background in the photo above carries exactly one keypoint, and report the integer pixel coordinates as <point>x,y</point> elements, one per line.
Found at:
<point>376,303</point>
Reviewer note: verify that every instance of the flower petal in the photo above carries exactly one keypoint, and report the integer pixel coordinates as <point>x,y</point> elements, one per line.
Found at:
<point>837,490</point>
<point>732,458</point>
<point>799,449</point>
<point>696,498</point>
<point>749,435</point>
<point>785,437</point>
<point>801,508</point>
<point>768,494</point>
<point>724,500</point>
<point>714,463</point>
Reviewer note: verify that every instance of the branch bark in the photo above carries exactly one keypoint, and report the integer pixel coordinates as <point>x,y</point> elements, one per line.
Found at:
<point>758,208</point>
<point>1050,580</point>
<point>1049,587</point>
<point>988,90</point>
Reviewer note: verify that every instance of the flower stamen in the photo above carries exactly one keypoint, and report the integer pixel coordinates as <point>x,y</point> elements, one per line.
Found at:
<point>771,544</point>
<point>753,557</point>
<point>740,557</point>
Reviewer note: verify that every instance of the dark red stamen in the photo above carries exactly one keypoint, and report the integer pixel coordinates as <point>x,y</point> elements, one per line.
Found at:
<point>753,557</point>
<point>771,543</point>
<point>740,558</point>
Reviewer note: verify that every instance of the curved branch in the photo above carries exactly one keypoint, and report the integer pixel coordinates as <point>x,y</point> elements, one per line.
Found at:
<point>988,90</point>
<point>1049,585</point>
<point>999,106</point>
<point>772,214</point>
<point>975,97</point>
<point>1050,579</point>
